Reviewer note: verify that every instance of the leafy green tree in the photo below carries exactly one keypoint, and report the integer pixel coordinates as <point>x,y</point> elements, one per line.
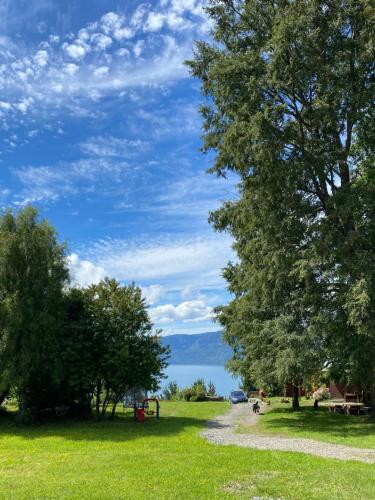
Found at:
<point>290,89</point>
<point>32,276</point>
<point>109,347</point>
<point>80,348</point>
<point>61,347</point>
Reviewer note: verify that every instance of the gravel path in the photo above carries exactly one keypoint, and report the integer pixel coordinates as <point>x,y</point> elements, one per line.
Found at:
<point>221,431</point>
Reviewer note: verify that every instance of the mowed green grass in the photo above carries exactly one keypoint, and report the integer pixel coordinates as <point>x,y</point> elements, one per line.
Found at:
<point>163,459</point>
<point>353,430</point>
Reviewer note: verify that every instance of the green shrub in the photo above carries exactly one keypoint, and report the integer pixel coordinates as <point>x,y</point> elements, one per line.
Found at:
<point>172,391</point>
<point>198,391</point>
<point>199,386</point>
<point>187,393</point>
<point>200,396</point>
<point>211,389</point>
<point>321,394</point>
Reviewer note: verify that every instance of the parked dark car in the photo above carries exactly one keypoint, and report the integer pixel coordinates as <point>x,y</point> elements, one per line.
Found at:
<point>237,397</point>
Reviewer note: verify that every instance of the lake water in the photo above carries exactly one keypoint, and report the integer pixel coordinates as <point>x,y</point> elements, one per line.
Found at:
<point>185,375</point>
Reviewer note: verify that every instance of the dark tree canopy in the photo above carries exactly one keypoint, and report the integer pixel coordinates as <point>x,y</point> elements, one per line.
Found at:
<point>67,349</point>
<point>108,345</point>
<point>290,89</point>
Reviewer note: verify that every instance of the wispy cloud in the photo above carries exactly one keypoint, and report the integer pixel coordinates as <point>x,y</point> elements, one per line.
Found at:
<point>101,130</point>
<point>113,147</point>
<point>45,183</point>
<point>171,262</point>
<point>153,293</point>
<point>169,271</point>
<point>162,265</point>
<point>4,196</point>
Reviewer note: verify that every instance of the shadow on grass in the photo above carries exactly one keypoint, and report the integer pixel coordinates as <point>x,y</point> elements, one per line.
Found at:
<point>319,422</point>
<point>122,428</point>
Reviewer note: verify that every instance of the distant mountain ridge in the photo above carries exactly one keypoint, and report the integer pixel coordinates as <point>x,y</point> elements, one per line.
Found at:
<point>198,349</point>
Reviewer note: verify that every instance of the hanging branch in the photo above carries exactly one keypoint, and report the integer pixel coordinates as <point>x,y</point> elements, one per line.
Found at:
<point>230,4</point>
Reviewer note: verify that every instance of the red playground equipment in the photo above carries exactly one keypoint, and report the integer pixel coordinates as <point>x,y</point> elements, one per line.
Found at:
<point>140,412</point>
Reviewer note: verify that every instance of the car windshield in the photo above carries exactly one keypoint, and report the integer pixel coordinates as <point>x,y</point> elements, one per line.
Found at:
<point>237,393</point>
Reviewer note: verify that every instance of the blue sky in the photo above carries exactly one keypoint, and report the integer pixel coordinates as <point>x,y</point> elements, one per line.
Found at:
<point>100,130</point>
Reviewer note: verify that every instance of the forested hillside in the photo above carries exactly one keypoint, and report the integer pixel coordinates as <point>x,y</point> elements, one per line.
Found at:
<point>199,349</point>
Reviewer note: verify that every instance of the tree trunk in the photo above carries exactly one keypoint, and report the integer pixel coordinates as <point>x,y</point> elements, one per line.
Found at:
<point>28,410</point>
<point>295,404</point>
<point>97,402</point>
<point>114,408</point>
<point>4,395</point>
<point>372,401</point>
<point>105,402</point>
<point>316,404</point>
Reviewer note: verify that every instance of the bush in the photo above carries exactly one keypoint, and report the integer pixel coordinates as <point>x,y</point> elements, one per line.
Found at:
<point>199,386</point>
<point>198,391</point>
<point>172,391</point>
<point>187,393</point>
<point>211,389</point>
<point>321,394</point>
<point>200,395</point>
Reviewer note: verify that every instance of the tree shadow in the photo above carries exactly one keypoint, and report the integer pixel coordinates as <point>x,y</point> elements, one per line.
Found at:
<point>319,421</point>
<point>120,429</point>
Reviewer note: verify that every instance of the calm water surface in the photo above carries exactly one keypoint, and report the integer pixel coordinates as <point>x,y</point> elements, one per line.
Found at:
<point>185,375</point>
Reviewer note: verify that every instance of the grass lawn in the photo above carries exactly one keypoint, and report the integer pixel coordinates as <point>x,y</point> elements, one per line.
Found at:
<point>353,430</point>
<point>163,459</point>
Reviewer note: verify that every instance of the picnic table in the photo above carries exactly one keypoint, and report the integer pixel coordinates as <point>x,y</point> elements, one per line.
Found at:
<point>346,406</point>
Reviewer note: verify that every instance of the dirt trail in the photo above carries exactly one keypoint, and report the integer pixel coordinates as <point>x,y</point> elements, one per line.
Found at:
<point>222,431</point>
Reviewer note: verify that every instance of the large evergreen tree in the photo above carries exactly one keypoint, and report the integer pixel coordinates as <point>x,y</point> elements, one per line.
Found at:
<point>290,87</point>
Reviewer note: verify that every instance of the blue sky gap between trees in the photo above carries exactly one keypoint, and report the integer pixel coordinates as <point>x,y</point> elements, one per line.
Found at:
<point>100,131</point>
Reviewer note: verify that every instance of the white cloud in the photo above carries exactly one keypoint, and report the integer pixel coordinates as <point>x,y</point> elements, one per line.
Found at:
<point>109,146</point>
<point>100,41</point>
<point>190,311</point>
<point>154,21</point>
<point>137,19</point>
<point>169,261</point>
<point>101,72</point>
<point>84,272</point>
<point>75,51</point>
<point>4,193</point>
<point>176,22</point>
<point>6,106</point>
<point>123,33</point>
<point>138,48</point>
<point>111,22</point>
<point>41,58</point>
<point>70,68</point>
<point>25,104</point>
<point>46,183</point>
<point>54,39</point>
<point>153,293</point>
<point>153,37</point>
<point>83,34</point>
<point>123,52</point>
<point>42,183</point>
